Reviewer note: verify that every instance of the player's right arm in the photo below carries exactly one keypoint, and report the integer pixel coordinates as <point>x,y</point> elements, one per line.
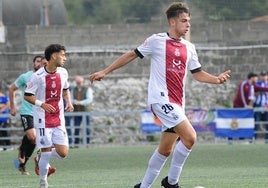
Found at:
<point>120,62</point>
<point>12,90</point>
<point>32,99</point>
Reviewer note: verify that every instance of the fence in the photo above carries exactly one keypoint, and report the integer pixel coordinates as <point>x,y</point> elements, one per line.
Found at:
<point>104,127</point>
<point>120,127</point>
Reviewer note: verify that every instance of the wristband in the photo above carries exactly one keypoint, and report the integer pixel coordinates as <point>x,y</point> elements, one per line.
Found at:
<point>38,103</point>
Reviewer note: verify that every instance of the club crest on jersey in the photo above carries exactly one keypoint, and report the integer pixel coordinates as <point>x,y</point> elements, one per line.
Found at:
<point>177,52</point>
<point>53,85</point>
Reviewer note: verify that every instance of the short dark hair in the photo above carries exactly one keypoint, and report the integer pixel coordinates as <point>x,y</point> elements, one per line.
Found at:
<point>37,56</point>
<point>53,48</point>
<point>251,75</point>
<point>177,8</point>
<point>264,73</point>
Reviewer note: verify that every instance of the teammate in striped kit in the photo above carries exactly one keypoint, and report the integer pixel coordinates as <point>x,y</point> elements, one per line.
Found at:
<point>171,57</point>
<point>26,112</point>
<point>46,90</point>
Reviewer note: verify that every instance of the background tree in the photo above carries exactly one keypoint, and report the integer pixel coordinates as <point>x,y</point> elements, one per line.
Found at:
<point>142,11</point>
<point>112,11</point>
<point>233,9</point>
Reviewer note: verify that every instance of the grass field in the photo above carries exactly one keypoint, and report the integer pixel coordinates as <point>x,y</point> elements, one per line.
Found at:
<point>210,166</point>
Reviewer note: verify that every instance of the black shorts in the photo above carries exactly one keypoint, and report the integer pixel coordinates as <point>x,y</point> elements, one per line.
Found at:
<point>170,130</point>
<point>27,122</point>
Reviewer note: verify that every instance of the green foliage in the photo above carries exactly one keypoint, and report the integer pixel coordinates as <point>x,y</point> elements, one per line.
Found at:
<point>233,10</point>
<point>112,11</point>
<point>142,11</point>
<point>111,139</point>
<point>75,11</point>
<point>109,122</point>
<point>153,138</point>
<point>223,102</point>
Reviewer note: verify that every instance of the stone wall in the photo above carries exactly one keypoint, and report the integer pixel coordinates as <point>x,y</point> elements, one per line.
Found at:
<point>96,45</point>
<point>232,33</point>
<point>241,47</point>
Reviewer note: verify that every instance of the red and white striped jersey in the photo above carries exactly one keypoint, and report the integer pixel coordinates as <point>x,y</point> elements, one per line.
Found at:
<point>170,59</point>
<point>48,87</point>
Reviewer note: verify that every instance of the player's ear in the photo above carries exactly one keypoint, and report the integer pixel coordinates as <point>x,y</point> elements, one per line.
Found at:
<point>54,56</point>
<point>171,21</point>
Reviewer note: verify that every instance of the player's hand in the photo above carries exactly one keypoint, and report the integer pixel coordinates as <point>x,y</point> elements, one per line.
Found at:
<point>96,76</point>
<point>223,77</point>
<point>48,108</point>
<point>69,107</point>
<point>13,111</point>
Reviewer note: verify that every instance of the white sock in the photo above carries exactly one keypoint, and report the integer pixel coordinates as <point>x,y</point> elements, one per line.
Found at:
<point>54,154</point>
<point>179,157</point>
<point>155,165</point>
<point>44,165</point>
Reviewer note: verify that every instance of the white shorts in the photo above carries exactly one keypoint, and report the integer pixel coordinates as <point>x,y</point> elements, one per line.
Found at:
<point>47,137</point>
<point>170,114</point>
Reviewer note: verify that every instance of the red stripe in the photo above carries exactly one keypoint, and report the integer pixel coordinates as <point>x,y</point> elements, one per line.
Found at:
<point>53,93</point>
<point>176,56</point>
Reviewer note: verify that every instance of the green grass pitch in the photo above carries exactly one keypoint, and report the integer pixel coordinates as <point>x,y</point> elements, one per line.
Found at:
<point>209,165</point>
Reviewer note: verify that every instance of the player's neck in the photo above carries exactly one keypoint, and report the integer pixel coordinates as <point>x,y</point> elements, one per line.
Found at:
<point>51,69</point>
<point>173,36</point>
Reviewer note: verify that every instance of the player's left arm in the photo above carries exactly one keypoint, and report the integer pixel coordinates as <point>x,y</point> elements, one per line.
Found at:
<point>67,96</point>
<point>203,76</point>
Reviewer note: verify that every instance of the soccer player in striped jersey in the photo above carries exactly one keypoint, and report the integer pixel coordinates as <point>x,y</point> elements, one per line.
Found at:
<point>26,112</point>
<point>171,56</point>
<point>46,90</point>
